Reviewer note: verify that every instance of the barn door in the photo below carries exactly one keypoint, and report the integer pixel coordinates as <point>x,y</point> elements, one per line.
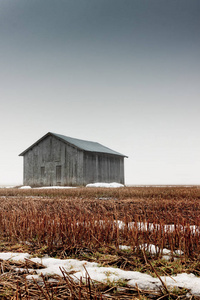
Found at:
<point>42,174</point>
<point>58,175</point>
<point>49,173</point>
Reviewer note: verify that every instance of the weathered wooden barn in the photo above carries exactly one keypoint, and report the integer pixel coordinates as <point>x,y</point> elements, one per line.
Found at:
<point>61,160</point>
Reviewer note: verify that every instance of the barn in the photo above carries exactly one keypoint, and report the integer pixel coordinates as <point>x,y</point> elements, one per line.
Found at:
<point>61,160</point>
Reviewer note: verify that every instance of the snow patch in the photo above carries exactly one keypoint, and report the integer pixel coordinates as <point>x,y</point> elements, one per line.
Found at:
<point>25,187</point>
<point>105,185</point>
<point>55,187</point>
<point>48,187</point>
<point>124,247</point>
<point>105,274</point>
<point>14,256</point>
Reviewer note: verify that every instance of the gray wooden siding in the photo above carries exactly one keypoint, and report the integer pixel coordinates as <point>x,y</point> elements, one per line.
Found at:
<point>103,168</point>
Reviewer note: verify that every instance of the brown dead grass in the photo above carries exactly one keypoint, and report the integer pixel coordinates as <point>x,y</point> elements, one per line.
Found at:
<point>82,223</point>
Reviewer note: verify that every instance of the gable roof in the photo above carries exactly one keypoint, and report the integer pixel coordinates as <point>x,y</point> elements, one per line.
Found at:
<point>80,144</point>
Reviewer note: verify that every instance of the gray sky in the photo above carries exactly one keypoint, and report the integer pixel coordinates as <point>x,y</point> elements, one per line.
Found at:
<point>124,73</point>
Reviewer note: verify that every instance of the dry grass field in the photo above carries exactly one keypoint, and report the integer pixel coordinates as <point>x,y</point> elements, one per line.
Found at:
<point>93,224</point>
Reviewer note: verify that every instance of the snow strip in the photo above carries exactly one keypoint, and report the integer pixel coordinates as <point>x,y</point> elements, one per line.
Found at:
<point>106,274</point>
<point>144,226</point>
<point>105,185</point>
<point>55,187</point>
<point>48,187</point>
<point>25,187</point>
<point>97,184</point>
<point>14,256</point>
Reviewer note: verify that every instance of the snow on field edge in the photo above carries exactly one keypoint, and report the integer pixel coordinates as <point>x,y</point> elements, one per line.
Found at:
<point>48,187</point>
<point>105,185</point>
<point>105,274</point>
<point>97,184</point>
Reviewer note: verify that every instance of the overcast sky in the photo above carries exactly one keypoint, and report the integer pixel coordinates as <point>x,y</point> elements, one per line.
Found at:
<point>124,73</point>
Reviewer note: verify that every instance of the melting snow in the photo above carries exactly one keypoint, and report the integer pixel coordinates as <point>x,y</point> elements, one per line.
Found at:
<point>124,247</point>
<point>105,185</point>
<point>56,187</point>
<point>142,226</point>
<point>97,184</point>
<point>25,187</point>
<point>48,187</point>
<point>13,256</point>
<point>104,274</point>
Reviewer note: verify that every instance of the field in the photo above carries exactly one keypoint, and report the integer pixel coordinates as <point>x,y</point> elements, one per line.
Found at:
<point>152,230</point>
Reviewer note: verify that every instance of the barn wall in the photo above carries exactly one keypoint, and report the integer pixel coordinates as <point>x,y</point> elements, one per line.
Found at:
<point>53,162</point>
<point>103,168</point>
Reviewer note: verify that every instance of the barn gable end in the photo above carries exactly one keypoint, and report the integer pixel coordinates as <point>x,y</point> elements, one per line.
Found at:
<point>59,160</point>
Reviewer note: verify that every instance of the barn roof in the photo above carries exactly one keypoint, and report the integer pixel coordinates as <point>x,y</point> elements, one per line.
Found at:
<point>80,144</point>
